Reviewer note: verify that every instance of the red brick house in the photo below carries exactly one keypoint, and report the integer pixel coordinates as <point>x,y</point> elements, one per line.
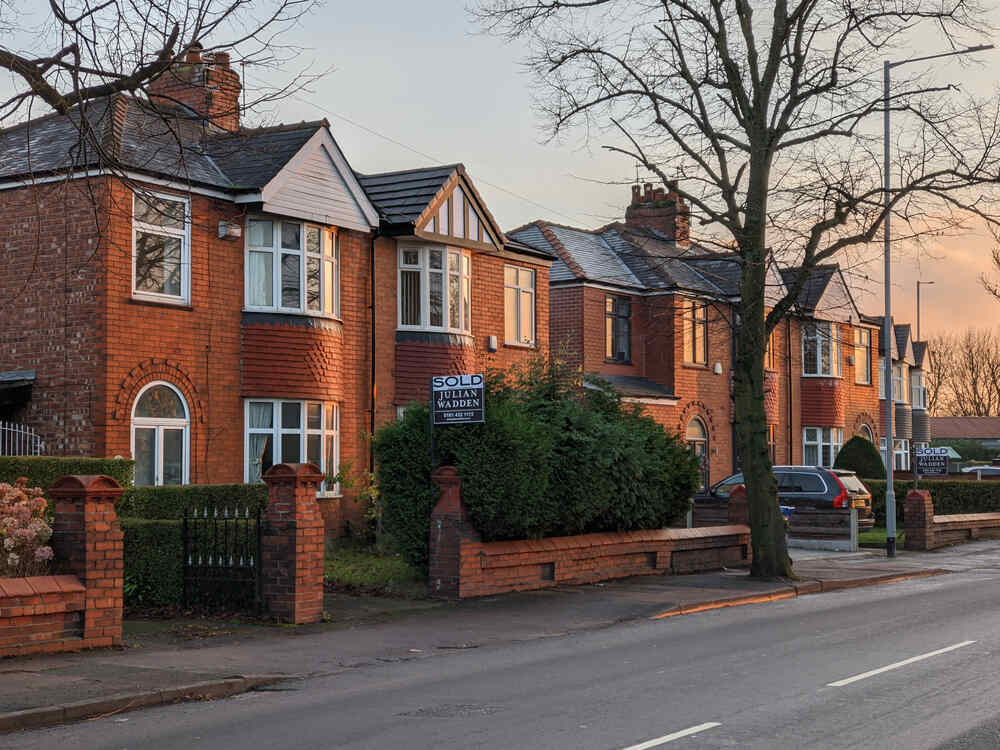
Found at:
<point>639,305</point>
<point>216,298</point>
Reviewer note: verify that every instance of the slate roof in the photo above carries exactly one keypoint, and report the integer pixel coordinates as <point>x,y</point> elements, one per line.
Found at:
<point>813,288</point>
<point>975,428</point>
<point>402,196</point>
<point>166,140</point>
<point>902,332</point>
<point>593,253</point>
<point>919,353</point>
<point>636,387</point>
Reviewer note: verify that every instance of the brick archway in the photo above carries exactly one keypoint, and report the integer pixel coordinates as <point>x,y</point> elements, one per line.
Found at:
<point>864,418</point>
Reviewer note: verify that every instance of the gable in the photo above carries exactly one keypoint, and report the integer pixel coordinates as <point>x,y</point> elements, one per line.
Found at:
<point>459,212</point>
<point>317,184</point>
<point>836,302</point>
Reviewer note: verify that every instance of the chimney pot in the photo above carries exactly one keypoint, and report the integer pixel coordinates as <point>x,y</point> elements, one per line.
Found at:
<point>221,60</point>
<point>194,53</point>
<point>648,192</point>
<point>659,194</point>
<point>636,196</point>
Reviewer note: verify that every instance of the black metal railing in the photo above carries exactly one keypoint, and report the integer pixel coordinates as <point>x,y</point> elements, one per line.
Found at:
<point>221,562</point>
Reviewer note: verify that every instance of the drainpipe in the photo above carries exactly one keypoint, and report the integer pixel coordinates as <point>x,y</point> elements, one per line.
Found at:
<point>788,369</point>
<point>373,392</point>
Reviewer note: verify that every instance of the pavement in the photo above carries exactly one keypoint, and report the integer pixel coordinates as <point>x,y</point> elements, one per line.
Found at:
<point>168,661</point>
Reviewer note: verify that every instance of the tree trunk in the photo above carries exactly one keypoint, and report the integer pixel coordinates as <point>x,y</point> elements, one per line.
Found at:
<point>767,526</point>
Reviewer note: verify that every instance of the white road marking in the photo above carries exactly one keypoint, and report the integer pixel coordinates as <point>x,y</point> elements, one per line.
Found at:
<point>898,664</point>
<point>675,736</point>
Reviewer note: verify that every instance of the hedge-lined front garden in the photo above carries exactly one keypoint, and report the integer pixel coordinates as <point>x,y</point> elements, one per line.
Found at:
<point>170,501</point>
<point>552,459</point>
<point>949,497</point>
<point>43,471</point>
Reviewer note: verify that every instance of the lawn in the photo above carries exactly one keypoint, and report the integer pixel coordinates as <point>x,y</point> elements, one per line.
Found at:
<point>876,536</point>
<point>357,567</point>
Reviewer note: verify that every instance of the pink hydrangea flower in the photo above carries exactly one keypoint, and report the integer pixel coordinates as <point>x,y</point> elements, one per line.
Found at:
<point>43,554</point>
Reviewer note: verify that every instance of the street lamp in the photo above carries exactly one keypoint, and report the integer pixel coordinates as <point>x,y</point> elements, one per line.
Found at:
<point>925,283</point>
<point>887,333</point>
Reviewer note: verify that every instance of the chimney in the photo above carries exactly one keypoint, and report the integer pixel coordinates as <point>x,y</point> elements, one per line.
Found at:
<point>204,83</point>
<point>660,209</point>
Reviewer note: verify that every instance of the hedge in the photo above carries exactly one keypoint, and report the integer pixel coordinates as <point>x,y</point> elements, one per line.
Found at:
<point>949,497</point>
<point>170,501</point>
<point>153,573</point>
<point>552,459</point>
<point>861,456</point>
<point>43,471</point>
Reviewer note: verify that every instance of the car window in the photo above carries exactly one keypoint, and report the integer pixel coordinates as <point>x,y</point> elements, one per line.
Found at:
<point>723,488</point>
<point>852,483</point>
<point>797,481</point>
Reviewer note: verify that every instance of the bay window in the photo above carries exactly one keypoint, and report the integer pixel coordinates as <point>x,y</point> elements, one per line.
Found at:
<point>161,257</point>
<point>898,383</point>
<point>918,396</point>
<point>435,289</point>
<point>292,267</point>
<point>288,431</point>
<point>820,349</point>
<point>696,333</point>
<point>820,445</point>
<point>618,329</point>
<point>519,305</point>
<point>900,453</point>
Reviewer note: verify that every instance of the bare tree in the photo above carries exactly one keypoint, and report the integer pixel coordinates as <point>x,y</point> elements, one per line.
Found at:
<point>965,371</point>
<point>768,114</point>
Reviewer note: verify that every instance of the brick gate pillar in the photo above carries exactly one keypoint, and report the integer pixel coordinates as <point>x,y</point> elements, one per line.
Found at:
<point>918,520</point>
<point>87,542</point>
<point>449,526</point>
<point>292,544</point>
<point>738,510</point>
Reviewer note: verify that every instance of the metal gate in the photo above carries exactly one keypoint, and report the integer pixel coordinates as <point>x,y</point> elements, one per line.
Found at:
<point>221,559</point>
<point>20,440</point>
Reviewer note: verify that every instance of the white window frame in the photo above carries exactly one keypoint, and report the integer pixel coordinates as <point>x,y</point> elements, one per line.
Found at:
<point>833,440</point>
<point>329,263</point>
<point>159,423</point>
<point>863,349</point>
<point>881,378</point>
<point>900,453</point>
<point>423,266</point>
<point>519,290</point>
<point>918,394</point>
<point>184,235</point>
<point>829,338</point>
<point>276,431</point>
<point>899,395</point>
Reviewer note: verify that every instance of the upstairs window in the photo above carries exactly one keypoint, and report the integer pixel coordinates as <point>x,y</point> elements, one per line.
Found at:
<point>435,289</point>
<point>696,333</point>
<point>618,329</point>
<point>820,349</point>
<point>863,356</point>
<point>161,258</point>
<point>519,305</point>
<point>918,395</point>
<point>770,360</point>
<point>292,267</point>
<point>899,383</point>
<point>881,377</point>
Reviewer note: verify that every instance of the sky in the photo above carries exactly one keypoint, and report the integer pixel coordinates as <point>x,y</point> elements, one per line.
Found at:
<point>422,75</point>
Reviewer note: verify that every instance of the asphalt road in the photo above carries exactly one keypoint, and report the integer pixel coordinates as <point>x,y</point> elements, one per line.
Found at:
<point>802,673</point>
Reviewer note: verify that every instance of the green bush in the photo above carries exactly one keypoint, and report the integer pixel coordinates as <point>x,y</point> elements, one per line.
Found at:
<point>949,497</point>
<point>859,455</point>
<point>152,551</point>
<point>552,459</point>
<point>43,471</point>
<point>170,501</point>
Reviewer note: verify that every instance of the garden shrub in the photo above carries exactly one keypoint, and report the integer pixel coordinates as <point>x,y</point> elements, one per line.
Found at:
<point>170,501</point>
<point>552,459</point>
<point>43,471</point>
<point>24,532</point>
<point>153,574</point>
<point>860,456</point>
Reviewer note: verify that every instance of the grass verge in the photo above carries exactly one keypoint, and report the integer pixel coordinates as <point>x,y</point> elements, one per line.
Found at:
<point>876,537</point>
<point>356,567</point>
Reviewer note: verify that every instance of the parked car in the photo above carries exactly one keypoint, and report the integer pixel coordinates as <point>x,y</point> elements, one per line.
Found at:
<point>985,470</point>
<point>807,488</point>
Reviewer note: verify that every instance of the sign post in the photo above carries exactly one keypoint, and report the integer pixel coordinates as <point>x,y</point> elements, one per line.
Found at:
<point>931,462</point>
<point>456,399</point>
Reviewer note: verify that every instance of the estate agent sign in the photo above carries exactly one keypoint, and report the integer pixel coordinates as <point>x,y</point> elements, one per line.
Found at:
<point>931,462</point>
<point>457,399</point>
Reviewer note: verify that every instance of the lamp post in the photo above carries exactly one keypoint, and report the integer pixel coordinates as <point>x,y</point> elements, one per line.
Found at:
<point>918,307</point>
<point>887,332</point>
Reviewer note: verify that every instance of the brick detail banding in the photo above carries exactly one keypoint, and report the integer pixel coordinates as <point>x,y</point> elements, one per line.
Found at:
<point>463,566</point>
<point>823,403</point>
<point>293,544</point>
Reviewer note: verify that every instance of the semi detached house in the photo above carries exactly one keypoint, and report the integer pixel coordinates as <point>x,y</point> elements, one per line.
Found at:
<point>211,299</point>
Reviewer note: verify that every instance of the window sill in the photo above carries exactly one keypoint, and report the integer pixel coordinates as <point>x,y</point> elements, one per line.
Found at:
<point>827,377</point>
<point>329,495</point>
<point>624,362</point>
<point>157,302</point>
<point>296,313</point>
<point>516,345</point>
<point>866,385</point>
<point>695,366</point>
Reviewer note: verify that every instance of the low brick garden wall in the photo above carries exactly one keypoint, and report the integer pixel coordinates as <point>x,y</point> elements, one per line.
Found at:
<point>463,566</point>
<point>926,531</point>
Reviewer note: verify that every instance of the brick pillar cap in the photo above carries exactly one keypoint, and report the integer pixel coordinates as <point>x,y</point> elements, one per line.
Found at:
<point>918,495</point>
<point>739,492</point>
<point>74,484</point>
<point>288,472</point>
<point>445,475</point>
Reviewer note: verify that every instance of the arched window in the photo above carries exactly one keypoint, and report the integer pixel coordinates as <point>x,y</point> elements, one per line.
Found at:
<point>160,435</point>
<point>697,440</point>
<point>866,433</point>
